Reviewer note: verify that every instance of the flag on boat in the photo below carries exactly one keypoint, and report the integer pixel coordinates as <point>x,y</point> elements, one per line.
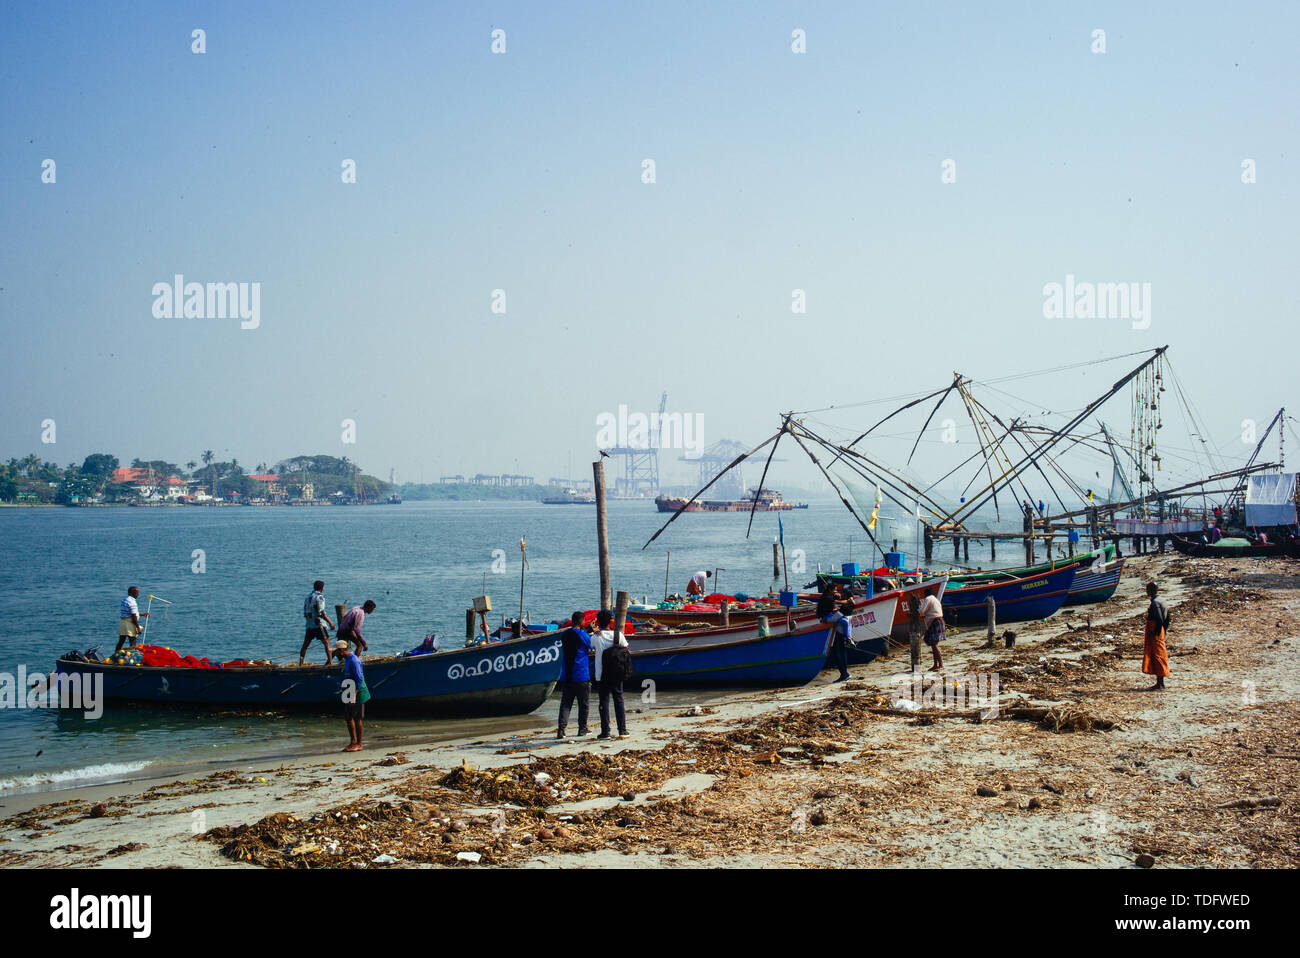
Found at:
<point>875,509</point>
<point>781,529</point>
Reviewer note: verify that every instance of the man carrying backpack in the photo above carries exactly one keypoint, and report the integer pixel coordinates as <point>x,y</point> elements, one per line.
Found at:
<point>613,664</point>
<point>575,675</point>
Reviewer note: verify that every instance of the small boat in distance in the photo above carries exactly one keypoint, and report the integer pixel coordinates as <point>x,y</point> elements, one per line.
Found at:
<point>768,500</point>
<point>570,497</point>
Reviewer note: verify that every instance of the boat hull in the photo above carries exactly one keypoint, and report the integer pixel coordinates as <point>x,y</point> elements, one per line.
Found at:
<point>1017,600</point>
<point>1198,551</point>
<point>1095,585</point>
<point>682,504</point>
<point>508,678</point>
<point>786,659</point>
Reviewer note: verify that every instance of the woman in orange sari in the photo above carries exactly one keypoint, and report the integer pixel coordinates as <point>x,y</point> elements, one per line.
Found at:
<point>1155,657</point>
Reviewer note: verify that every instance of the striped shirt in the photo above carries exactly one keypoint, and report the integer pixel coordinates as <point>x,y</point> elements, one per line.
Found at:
<point>129,607</point>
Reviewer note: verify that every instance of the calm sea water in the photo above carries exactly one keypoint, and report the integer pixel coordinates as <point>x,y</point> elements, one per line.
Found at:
<point>63,573</point>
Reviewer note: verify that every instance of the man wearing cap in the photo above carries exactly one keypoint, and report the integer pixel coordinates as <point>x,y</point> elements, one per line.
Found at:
<point>355,693</point>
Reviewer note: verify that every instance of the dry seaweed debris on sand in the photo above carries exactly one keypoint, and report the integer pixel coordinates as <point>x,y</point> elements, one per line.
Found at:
<point>553,779</point>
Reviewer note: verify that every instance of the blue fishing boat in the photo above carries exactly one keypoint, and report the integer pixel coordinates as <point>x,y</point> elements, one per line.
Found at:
<point>779,659</point>
<point>506,678</point>
<point>1018,600</point>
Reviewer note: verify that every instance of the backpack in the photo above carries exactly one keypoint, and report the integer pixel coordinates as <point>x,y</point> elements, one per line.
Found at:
<point>616,663</point>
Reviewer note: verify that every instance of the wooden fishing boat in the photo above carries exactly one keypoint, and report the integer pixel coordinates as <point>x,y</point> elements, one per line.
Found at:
<point>507,678</point>
<point>783,659</point>
<point>1235,549</point>
<point>1096,580</point>
<point>1106,553</point>
<point>1018,600</point>
<point>874,617</point>
<point>711,615</point>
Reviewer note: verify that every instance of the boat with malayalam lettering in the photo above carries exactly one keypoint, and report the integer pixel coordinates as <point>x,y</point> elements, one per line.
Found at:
<point>513,677</point>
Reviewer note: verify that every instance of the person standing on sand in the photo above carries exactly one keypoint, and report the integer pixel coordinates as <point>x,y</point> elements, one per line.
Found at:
<point>355,693</point>
<point>932,615</point>
<point>1155,657</point>
<point>608,684</point>
<point>575,675</point>
<point>128,622</point>
<point>843,630</point>
<point>314,610</point>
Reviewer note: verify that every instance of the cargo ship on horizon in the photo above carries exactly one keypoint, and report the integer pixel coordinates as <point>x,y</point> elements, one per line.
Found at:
<point>768,500</point>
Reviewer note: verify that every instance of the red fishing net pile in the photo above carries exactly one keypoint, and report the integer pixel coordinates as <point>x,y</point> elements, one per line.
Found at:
<point>159,656</point>
<point>589,619</point>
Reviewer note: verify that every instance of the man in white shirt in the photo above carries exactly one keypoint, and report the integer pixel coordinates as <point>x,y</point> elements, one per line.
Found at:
<point>128,620</point>
<point>698,582</point>
<point>608,686</point>
<point>932,617</point>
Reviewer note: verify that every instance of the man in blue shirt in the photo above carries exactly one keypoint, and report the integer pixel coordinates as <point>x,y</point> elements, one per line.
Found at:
<point>575,674</point>
<point>355,693</point>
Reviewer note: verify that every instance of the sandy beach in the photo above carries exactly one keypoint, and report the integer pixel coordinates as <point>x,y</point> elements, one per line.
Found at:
<point>1074,765</point>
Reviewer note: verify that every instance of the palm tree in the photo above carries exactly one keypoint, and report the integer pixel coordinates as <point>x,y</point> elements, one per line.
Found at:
<point>189,466</point>
<point>30,463</point>
<point>207,458</point>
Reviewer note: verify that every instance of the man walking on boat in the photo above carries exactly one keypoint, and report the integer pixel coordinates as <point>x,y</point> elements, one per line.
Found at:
<point>128,622</point>
<point>355,693</point>
<point>575,675</point>
<point>1155,657</point>
<point>314,611</point>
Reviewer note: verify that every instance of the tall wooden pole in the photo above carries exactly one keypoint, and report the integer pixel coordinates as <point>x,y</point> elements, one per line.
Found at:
<point>602,531</point>
<point>668,561</point>
<point>523,564</point>
<point>620,615</point>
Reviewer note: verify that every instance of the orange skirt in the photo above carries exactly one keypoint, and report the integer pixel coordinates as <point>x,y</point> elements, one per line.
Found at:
<point>1155,658</point>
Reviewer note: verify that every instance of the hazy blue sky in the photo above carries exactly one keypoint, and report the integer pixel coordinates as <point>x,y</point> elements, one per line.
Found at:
<point>523,172</point>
